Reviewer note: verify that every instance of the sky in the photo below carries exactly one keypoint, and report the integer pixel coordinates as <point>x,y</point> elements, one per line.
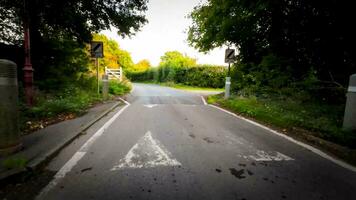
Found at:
<point>166,30</point>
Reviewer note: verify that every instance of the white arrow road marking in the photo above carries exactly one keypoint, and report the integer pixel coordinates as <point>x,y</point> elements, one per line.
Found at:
<point>275,156</point>
<point>150,105</point>
<point>147,153</point>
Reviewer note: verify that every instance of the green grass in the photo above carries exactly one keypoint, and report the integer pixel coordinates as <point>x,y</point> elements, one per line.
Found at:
<point>71,100</point>
<point>325,121</point>
<point>184,87</point>
<point>14,163</point>
<point>193,88</point>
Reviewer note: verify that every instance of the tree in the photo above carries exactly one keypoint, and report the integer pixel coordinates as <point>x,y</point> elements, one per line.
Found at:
<point>311,35</point>
<point>59,31</point>
<point>75,19</point>
<point>176,59</point>
<point>142,65</point>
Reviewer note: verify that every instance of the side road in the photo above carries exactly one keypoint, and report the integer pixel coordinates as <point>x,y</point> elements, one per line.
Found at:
<point>42,145</point>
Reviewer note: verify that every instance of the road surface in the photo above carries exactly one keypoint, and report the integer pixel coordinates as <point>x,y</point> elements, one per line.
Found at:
<point>168,144</point>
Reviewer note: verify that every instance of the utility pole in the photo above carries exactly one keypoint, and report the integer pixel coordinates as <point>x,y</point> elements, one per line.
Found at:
<point>28,70</point>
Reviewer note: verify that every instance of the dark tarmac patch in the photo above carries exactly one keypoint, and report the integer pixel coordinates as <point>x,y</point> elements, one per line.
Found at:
<point>208,140</point>
<point>192,135</point>
<point>25,186</point>
<point>86,169</point>
<point>237,173</point>
<point>218,170</point>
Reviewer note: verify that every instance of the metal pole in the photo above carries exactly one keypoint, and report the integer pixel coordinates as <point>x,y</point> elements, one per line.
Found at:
<point>227,84</point>
<point>28,70</point>
<point>105,91</point>
<point>97,74</point>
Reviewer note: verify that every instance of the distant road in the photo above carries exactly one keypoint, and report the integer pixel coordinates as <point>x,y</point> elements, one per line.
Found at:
<point>168,144</point>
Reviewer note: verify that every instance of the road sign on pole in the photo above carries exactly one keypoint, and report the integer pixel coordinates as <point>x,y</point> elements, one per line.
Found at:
<point>229,55</point>
<point>229,58</point>
<point>97,49</point>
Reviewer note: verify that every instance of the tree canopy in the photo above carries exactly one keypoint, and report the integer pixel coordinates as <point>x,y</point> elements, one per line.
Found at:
<point>76,19</point>
<point>60,31</point>
<point>142,65</point>
<point>176,59</point>
<point>309,35</point>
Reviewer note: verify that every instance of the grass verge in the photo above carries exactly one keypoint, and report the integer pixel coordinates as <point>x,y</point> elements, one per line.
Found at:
<point>184,87</point>
<point>320,120</point>
<point>192,88</point>
<point>56,106</point>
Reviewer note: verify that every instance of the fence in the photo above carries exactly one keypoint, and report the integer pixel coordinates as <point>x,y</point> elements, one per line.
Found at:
<point>114,73</point>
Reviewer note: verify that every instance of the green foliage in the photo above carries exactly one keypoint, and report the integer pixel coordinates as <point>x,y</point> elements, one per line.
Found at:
<point>200,76</point>
<point>60,30</point>
<point>69,100</point>
<point>76,19</point>
<point>175,59</point>
<point>63,62</point>
<point>303,35</point>
<point>141,66</point>
<point>288,113</point>
<point>119,88</point>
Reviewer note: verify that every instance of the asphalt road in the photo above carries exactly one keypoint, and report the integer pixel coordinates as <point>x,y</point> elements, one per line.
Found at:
<point>167,144</point>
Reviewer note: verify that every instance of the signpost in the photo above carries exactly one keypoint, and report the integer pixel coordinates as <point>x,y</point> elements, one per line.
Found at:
<point>229,58</point>
<point>97,51</point>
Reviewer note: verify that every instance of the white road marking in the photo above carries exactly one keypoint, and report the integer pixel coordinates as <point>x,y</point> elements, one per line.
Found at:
<point>79,154</point>
<point>150,105</point>
<point>312,149</point>
<point>146,153</point>
<point>264,156</point>
<point>123,100</point>
<point>259,155</point>
<point>203,99</point>
<point>69,165</point>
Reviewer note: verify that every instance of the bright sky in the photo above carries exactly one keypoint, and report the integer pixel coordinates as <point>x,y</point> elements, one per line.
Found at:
<point>165,31</point>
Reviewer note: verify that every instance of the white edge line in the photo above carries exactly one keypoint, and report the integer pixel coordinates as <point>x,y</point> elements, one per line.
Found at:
<point>68,166</point>
<point>202,98</point>
<point>311,148</point>
<point>123,100</point>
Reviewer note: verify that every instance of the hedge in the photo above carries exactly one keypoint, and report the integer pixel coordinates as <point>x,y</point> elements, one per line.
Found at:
<point>201,76</point>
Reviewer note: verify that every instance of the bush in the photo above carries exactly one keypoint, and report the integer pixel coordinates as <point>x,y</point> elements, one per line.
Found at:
<point>119,88</point>
<point>70,100</point>
<point>200,76</point>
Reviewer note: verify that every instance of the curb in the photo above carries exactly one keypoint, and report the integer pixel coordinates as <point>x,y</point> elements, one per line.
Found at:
<point>40,161</point>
